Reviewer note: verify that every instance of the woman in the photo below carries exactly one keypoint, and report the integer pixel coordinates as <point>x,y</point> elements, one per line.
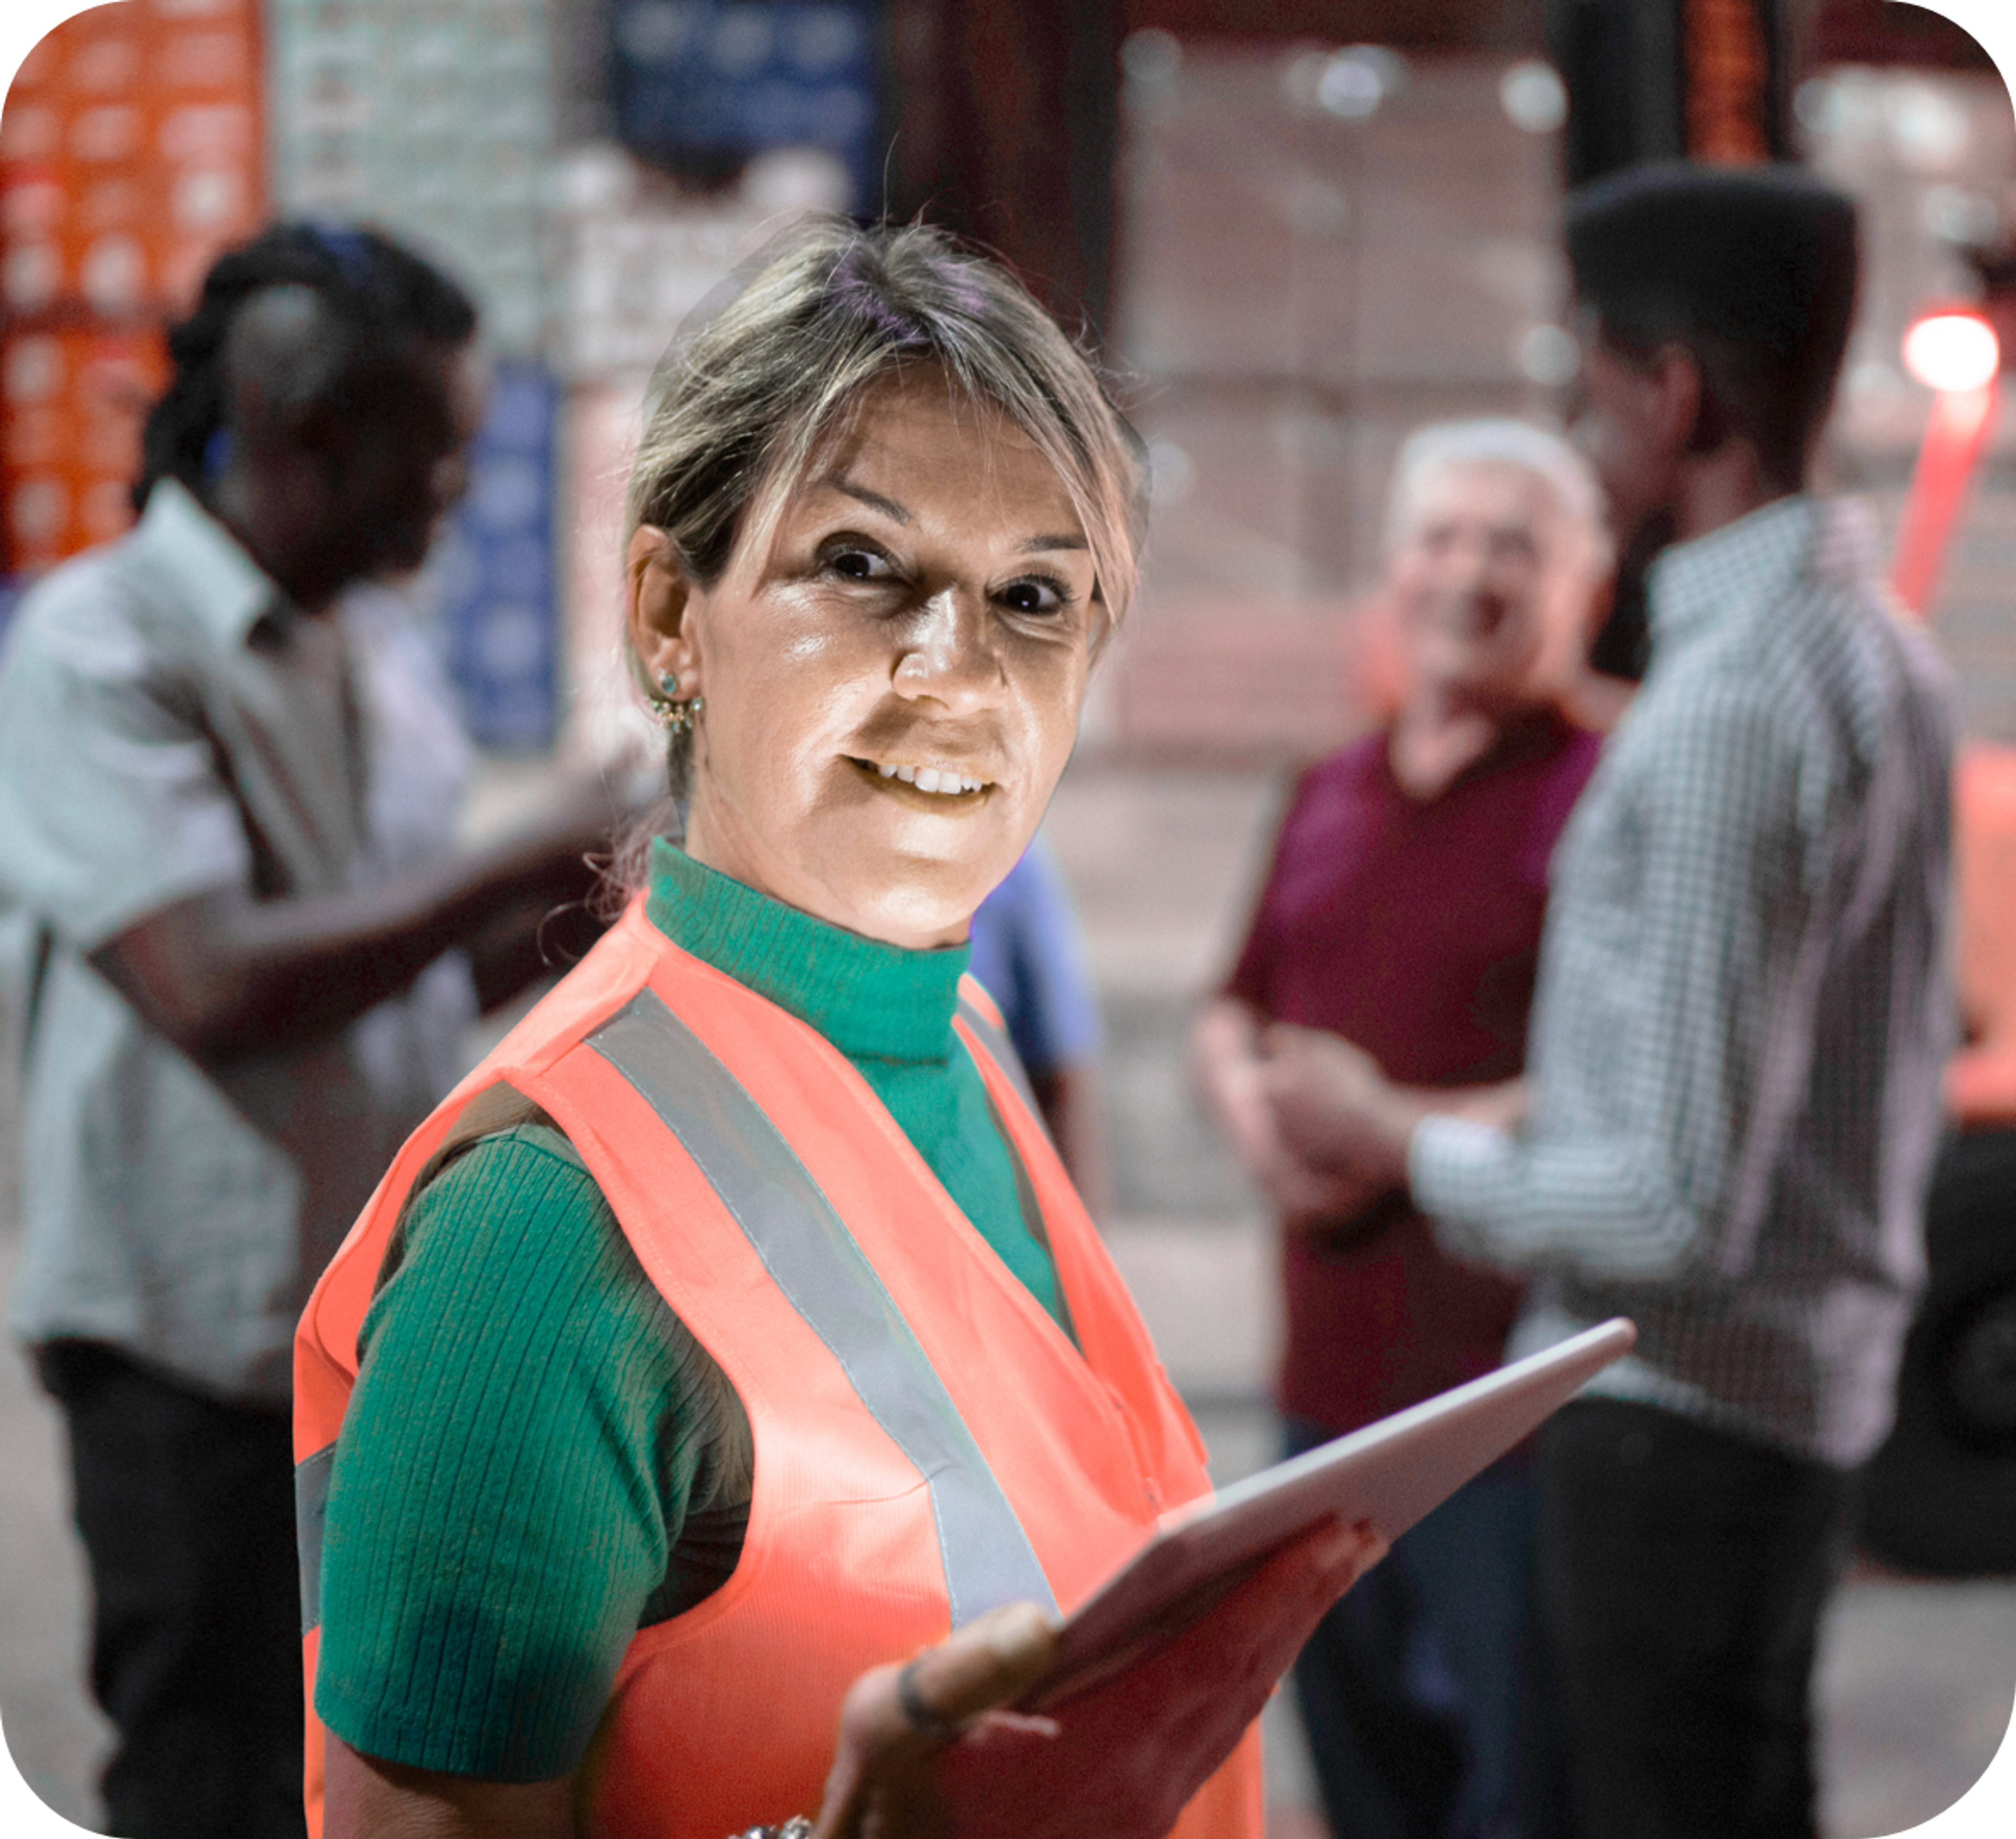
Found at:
<point>654,1360</point>
<point>1402,911</point>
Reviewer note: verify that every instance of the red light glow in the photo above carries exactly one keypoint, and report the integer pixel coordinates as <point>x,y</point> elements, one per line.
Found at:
<point>1952,351</point>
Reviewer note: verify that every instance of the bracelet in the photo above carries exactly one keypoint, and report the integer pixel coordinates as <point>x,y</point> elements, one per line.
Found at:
<point>798,1827</point>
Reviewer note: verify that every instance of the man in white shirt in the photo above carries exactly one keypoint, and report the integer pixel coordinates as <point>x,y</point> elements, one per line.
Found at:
<point>229,974</point>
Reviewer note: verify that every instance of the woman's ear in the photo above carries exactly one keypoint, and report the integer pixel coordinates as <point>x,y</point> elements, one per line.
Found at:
<point>656,589</point>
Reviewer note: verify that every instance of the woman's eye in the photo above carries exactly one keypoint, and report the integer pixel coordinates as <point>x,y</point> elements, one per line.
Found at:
<point>858,564</point>
<point>1035,594</point>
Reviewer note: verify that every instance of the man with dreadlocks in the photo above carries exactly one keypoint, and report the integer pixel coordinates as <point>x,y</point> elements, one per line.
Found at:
<point>224,987</point>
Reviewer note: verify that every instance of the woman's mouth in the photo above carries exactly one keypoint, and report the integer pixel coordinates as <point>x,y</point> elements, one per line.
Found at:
<point>938,780</point>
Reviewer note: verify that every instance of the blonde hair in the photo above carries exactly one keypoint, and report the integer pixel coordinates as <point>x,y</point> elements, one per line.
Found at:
<point>756,383</point>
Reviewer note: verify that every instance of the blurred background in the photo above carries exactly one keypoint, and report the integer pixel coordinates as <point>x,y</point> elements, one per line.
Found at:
<point>1293,228</point>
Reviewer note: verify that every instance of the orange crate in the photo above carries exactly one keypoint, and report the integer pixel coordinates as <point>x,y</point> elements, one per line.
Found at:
<point>70,438</point>
<point>132,153</point>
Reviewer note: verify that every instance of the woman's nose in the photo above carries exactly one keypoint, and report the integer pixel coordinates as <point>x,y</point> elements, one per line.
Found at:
<point>948,653</point>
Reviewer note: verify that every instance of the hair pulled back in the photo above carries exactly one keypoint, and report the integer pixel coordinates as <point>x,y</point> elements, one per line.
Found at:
<point>758,380</point>
<point>375,294</point>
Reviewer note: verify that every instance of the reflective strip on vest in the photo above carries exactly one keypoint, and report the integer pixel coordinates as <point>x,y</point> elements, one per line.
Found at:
<point>826,1277</point>
<point>996,1041</point>
<point>311,1509</point>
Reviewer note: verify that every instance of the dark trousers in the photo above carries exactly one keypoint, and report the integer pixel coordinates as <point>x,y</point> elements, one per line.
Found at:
<point>186,1508</point>
<point>1682,1573</point>
<point>1417,1691</point>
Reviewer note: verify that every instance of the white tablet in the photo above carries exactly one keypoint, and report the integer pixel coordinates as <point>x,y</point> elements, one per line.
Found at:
<point>1391,1472</point>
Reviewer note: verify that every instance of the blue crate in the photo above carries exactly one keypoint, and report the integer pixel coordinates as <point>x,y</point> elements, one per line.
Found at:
<point>11,588</point>
<point>720,80</point>
<point>494,569</point>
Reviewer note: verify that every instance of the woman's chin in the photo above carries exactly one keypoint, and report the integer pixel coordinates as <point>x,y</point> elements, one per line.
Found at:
<point>914,883</point>
<point>917,905</point>
<point>918,928</point>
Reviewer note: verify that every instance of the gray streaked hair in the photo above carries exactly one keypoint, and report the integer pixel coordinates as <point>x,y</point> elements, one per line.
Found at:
<point>773,366</point>
<point>755,384</point>
<point>1495,440</point>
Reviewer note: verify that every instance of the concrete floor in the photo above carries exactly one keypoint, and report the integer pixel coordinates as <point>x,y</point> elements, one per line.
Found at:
<point>1917,1680</point>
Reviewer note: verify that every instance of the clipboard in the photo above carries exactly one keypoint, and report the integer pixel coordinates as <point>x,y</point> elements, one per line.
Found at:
<point>1391,1472</point>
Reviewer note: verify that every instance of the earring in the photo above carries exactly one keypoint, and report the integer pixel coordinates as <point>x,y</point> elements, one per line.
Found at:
<point>674,714</point>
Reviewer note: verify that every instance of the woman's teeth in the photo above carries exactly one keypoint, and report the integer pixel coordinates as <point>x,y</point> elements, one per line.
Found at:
<point>931,778</point>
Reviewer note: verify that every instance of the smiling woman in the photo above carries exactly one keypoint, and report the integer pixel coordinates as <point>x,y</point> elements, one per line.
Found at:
<point>892,685</point>
<point>650,1483</point>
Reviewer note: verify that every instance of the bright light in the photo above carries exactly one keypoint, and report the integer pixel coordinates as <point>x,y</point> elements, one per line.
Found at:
<point>1352,86</point>
<point>1952,351</point>
<point>1534,96</point>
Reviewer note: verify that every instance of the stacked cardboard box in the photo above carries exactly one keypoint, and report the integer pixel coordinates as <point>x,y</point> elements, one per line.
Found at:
<point>493,569</point>
<point>707,83</point>
<point>432,120</point>
<point>633,254</point>
<point>1324,249</point>
<point>130,153</point>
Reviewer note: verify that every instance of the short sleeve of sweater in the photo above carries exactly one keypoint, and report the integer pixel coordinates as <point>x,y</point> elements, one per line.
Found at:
<point>532,1430</point>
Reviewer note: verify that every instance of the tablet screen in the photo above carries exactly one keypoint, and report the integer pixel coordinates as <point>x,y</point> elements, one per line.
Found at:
<point>1391,1472</point>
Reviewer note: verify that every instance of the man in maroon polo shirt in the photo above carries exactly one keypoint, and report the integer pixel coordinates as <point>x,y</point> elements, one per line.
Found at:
<point>1403,911</point>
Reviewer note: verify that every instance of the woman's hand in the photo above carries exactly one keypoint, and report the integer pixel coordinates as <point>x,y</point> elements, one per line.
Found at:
<point>884,1781</point>
<point>1119,1761</point>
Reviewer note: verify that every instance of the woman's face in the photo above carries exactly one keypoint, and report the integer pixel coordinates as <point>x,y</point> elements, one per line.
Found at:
<point>1474,575</point>
<point>892,691</point>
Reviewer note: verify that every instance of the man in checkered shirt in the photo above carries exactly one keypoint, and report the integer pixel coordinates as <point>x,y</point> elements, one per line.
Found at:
<point>1733,1091</point>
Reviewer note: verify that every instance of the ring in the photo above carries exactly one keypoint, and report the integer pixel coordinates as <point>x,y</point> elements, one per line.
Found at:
<point>919,1716</point>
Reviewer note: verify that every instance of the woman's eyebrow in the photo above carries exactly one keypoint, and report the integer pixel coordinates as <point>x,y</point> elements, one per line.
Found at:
<point>891,508</point>
<point>874,500</point>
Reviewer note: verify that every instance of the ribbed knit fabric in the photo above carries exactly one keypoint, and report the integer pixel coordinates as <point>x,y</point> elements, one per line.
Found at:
<point>889,1011</point>
<point>515,1468</point>
<point>538,1459</point>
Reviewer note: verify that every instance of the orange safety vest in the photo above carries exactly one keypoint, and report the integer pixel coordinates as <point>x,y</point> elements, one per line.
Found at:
<point>929,1444</point>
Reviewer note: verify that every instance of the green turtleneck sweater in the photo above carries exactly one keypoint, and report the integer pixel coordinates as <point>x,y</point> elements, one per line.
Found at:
<point>539,1460</point>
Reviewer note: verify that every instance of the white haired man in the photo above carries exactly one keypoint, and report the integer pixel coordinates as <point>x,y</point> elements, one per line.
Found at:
<point>1403,914</point>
